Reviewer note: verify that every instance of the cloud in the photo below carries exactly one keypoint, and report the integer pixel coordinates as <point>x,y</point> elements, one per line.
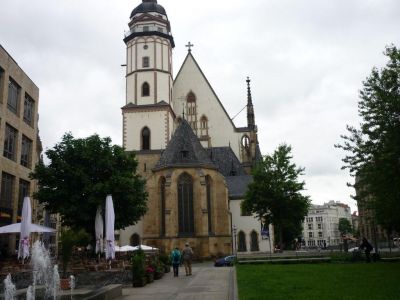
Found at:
<point>306,60</point>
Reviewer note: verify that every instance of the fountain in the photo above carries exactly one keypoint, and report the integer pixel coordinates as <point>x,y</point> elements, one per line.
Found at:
<point>9,288</point>
<point>46,282</point>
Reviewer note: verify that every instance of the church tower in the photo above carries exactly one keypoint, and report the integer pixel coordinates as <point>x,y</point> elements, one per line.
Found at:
<point>148,114</point>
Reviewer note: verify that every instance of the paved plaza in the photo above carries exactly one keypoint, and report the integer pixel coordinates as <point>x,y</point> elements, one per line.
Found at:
<point>207,282</point>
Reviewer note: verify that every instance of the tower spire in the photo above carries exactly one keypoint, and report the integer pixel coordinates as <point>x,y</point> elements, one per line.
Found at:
<point>250,109</point>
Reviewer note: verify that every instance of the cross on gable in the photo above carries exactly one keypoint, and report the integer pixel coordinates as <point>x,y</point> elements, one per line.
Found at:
<point>189,45</point>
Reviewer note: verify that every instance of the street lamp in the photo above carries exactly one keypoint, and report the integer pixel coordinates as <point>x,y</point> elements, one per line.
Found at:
<point>234,240</point>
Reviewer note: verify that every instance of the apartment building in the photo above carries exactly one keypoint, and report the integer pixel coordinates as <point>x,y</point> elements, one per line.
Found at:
<point>321,225</point>
<point>20,145</point>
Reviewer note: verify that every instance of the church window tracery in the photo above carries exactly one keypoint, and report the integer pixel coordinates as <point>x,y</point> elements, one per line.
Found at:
<point>162,210</point>
<point>145,89</point>
<point>242,242</point>
<point>254,241</point>
<point>209,204</point>
<point>145,135</point>
<point>203,126</point>
<point>191,110</point>
<point>185,205</point>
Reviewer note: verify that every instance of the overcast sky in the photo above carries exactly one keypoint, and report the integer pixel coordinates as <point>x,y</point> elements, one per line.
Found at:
<point>306,59</point>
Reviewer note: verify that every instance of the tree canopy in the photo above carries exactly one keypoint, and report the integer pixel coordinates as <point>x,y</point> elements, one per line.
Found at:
<point>81,173</point>
<point>373,149</point>
<point>275,194</point>
<point>344,226</point>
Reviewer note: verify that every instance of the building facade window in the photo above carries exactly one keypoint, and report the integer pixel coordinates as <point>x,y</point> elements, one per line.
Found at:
<point>310,234</point>
<point>13,95</point>
<point>209,205</point>
<point>320,234</point>
<point>145,62</point>
<point>23,192</point>
<point>162,206</point>
<point>145,136</point>
<point>309,219</point>
<point>319,226</point>
<point>26,152</point>
<point>191,110</point>
<point>242,242</point>
<point>310,226</point>
<point>185,205</point>
<point>29,109</point>
<point>7,190</point>
<point>145,89</point>
<point>10,142</point>
<point>254,241</point>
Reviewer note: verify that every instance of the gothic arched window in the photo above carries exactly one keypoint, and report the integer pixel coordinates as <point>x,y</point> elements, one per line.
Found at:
<point>242,242</point>
<point>209,206</point>
<point>254,241</point>
<point>185,205</point>
<point>135,239</point>
<point>162,206</point>
<point>145,89</point>
<point>203,122</point>
<point>145,135</point>
<point>191,110</point>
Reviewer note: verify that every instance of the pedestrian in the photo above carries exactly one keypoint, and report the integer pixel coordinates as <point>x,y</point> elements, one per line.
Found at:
<point>187,255</point>
<point>368,248</point>
<point>176,260</point>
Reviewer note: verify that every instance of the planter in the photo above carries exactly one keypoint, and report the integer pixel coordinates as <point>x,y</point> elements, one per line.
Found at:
<point>65,284</point>
<point>158,275</point>
<point>140,282</point>
<point>150,277</point>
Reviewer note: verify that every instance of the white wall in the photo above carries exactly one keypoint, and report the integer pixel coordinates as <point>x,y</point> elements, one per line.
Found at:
<point>247,224</point>
<point>220,128</point>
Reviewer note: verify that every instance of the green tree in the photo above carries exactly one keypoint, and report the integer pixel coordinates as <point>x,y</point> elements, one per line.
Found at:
<point>373,150</point>
<point>344,226</point>
<point>81,173</point>
<point>274,195</point>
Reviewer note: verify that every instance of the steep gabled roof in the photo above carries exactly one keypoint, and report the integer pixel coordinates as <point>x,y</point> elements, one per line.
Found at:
<point>226,161</point>
<point>237,186</point>
<point>189,55</point>
<point>184,150</point>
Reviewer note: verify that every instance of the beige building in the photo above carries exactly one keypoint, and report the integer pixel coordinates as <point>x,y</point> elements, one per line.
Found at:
<point>20,146</point>
<point>196,162</point>
<point>321,225</point>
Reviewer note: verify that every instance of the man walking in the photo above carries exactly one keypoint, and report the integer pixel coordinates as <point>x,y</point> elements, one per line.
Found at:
<point>368,248</point>
<point>187,255</point>
<point>176,260</point>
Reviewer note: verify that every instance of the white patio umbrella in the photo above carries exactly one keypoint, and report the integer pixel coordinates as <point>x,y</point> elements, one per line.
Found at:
<point>26,223</point>
<point>110,218</point>
<point>16,227</point>
<point>99,228</point>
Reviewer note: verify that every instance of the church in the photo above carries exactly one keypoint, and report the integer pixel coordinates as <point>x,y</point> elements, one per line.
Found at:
<point>194,159</point>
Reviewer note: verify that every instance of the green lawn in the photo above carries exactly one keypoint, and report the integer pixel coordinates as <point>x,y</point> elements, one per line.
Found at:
<point>319,281</point>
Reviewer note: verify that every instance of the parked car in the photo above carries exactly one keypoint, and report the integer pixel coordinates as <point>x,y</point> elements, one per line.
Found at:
<point>225,261</point>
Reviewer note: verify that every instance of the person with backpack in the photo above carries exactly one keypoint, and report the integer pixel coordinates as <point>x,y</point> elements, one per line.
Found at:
<point>368,248</point>
<point>187,254</point>
<point>176,260</point>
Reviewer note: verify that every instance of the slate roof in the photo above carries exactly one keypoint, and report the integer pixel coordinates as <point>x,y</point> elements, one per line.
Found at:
<point>237,185</point>
<point>184,150</point>
<point>226,161</point>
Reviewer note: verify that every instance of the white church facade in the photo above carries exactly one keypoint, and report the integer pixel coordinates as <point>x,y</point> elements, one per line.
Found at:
<point>196,162</point>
